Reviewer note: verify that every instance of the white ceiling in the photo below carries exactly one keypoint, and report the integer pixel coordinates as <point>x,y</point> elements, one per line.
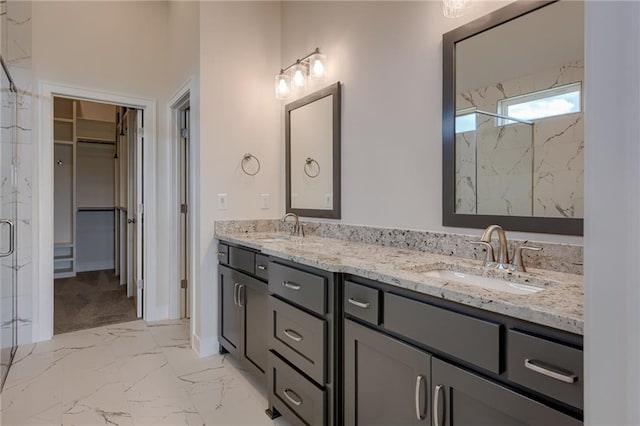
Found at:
<point>540,40</point>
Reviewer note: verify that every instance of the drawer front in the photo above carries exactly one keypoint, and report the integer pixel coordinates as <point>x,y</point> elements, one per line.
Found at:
<point>296,393</point>
<point>361,302</point>
<point>299,337</point>
<point>547,367</point>
<point>303,288</point>
<point>242,259</point>
<point>223,253</point>
<point>467,338</point>
<point>262,266</point>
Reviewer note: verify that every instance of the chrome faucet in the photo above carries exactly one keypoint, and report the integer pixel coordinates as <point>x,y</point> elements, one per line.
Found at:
<point>503,250</point>
<point>298,229</point>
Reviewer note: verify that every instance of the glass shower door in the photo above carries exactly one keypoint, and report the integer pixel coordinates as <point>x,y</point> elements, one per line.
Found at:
<point>8,213</point>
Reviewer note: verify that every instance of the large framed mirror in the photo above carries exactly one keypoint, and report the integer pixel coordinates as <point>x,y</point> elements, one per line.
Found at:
<point>312,136</point>
<point>512,121</point>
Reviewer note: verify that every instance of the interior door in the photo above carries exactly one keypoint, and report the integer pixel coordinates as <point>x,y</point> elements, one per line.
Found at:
<point>8,213</point>
<point>135,209</point>
<point>184,213</point>
<point>138,224</point>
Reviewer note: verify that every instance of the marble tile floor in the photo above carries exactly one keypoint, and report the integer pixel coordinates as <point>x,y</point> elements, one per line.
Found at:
<point>133,373</point>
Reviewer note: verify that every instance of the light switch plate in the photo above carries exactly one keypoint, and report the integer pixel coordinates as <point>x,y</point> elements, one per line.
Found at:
<point>265,202</point>
<point>222,202</point>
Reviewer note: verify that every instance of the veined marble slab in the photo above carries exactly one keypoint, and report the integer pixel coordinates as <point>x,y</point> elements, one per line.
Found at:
<point>560,305</point>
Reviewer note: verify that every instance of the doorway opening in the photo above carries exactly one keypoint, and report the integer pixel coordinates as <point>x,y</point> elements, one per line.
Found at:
<point>98,221</point>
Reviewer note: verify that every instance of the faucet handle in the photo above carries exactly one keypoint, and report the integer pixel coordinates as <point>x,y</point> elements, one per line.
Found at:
<point>518,263</point>
<point>489,258</point>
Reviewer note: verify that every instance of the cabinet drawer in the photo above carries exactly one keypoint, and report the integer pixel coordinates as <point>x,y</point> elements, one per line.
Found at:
<point>299,337</point>
<point>361,302</point>
<point>467,338</point>
<point>223,253</point>
<point>262,266</point>
<point>291,392</point>
<point>242,259</point>
<point>303,288</point>
<point>548,367</point>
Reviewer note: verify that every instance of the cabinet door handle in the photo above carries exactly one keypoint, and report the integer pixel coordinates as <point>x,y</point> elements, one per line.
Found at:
<point>296,337</point>
<point>292,396</point>
<point>241,295</point>
<point>262,267</point>
<point>222,253</point>
<point>292,286</point>
<point>420,414</point>
<point>436,405</point>
<point>235,293</point>
<point>12,237</point>
<point>550,371</point>
<point>359,304</point>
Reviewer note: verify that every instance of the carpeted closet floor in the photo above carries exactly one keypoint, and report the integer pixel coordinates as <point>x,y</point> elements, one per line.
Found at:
<point>90,299</point>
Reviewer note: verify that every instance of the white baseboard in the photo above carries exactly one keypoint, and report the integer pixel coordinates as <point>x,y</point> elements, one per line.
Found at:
<point>98,265</point>
<point>204,347</point>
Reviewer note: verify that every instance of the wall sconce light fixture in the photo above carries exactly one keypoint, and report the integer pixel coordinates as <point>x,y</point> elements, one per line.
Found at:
<point>455,8</point>
<point>295,77</point>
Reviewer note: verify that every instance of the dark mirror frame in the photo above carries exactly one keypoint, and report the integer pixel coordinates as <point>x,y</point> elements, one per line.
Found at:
<point>333,90</point>
<point>546,225</point>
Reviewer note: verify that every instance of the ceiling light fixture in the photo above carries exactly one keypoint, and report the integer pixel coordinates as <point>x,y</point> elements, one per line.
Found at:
<point>455,8</point>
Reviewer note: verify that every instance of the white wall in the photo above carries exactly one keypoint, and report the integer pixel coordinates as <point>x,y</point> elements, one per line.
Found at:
<point>117,47</point>
<point>239,55</point>
<point>612,212</point>
<point>388,55</point>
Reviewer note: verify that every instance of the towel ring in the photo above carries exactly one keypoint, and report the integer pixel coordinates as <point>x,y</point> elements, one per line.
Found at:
<point>247,157</point>
<point>308,162</point>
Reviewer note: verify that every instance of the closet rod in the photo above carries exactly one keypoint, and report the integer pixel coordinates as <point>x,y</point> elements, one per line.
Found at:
<point>98,142</point>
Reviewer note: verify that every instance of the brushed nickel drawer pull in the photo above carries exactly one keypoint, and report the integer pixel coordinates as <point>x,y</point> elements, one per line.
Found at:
<point>292,396</point>
<point>241,295</point>
<point>291,285</point>
<point>236,286</point>
<point>296,337</point>
<point>359,304</point>
<point>550,371</point>
<point>420,414</point>
<point>262,267</point>
<point>436,405</point>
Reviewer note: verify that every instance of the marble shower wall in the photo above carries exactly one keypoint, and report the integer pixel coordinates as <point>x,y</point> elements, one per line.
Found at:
<point>545,179</point>
<point>16,46</point>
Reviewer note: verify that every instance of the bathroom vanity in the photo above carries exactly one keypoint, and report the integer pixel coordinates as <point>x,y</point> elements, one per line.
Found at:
<point>349,333</point>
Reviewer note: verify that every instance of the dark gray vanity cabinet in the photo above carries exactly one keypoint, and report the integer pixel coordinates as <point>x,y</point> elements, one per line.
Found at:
<point>462,398</point>
<point>302,375</point>
<point>386,381</point>
<point>243,305</point>
<point>410,358</point>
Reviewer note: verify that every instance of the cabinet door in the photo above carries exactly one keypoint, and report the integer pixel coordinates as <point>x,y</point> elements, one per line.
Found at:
<point>386,381</point>
<point>462,398</point>
<point>229,310</point>
<point>253,298</point>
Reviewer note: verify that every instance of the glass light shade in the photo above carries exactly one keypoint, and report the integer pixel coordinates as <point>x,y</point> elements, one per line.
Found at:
<point>318,67</point>
<point>454,8</point>
<point>283,86</point>
<point>298,75</point>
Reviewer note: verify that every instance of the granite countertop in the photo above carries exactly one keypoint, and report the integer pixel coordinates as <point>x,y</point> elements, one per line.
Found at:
<point>559,305</point>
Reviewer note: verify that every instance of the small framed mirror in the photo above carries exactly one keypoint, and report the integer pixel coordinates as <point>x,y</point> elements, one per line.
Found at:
<point>512,123</point>
<point>312,136</point>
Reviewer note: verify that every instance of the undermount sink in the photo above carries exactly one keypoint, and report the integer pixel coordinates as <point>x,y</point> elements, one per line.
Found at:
<point>484,282</point>
<point>274,239</point>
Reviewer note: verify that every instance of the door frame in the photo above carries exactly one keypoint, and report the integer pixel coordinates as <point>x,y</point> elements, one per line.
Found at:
<point>183,96</point>
<point>43,198</point>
